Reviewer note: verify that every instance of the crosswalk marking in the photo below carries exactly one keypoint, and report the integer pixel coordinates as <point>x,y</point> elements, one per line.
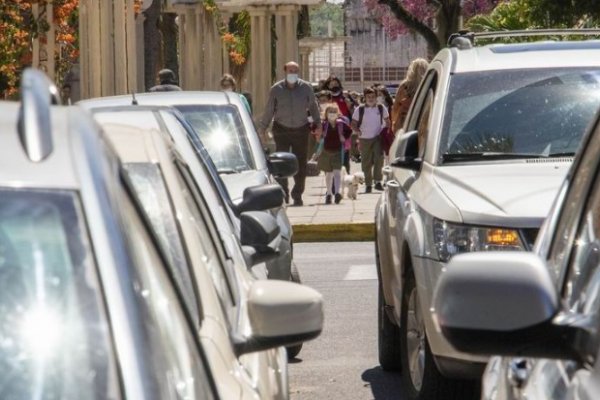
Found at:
<point>360,273</point>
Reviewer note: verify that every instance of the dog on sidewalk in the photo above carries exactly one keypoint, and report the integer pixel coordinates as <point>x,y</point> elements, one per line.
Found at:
<point>350,183</point>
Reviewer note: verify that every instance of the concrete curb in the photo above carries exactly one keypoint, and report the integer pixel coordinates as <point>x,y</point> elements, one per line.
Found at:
<point>346,232</point>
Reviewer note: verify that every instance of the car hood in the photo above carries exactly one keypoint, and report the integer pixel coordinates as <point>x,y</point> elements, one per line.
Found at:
<point>236,183</point>
<point>515,194</point>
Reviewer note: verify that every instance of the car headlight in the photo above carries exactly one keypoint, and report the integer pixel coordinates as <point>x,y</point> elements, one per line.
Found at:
<point>450,239</point>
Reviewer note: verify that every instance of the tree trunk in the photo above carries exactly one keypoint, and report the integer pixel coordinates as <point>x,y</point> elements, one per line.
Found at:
<point>170,37</point>
<point>152,41</point>
<point>448,19</point>
<point>433,41</point>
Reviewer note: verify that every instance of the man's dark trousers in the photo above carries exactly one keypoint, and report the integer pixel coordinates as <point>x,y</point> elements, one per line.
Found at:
<point>296,141</point>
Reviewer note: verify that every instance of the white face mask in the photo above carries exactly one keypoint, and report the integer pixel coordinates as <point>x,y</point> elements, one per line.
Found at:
<point>380,99</point>
<point>332,117</point>
<point>292,78</point>
<point>228,90</point>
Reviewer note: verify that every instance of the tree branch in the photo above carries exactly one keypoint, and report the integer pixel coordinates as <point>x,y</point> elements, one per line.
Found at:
<point>413,23</point>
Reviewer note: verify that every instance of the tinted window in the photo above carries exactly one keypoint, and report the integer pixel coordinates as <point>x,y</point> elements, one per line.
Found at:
<point>538,111</point>
<point>222,132</point>
<point>150,190</point>
<point>178,362</point>
<point>54,335</point>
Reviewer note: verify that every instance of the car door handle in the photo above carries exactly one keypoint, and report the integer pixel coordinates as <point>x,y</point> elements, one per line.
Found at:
<point>518,372</point>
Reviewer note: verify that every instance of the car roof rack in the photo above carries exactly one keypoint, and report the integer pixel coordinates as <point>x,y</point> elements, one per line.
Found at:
<point>34,126</point>
<point>466,39</point>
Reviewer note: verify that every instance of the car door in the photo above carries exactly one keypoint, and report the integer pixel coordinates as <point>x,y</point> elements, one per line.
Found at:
<point>398,202</point>
<point>574,262</point>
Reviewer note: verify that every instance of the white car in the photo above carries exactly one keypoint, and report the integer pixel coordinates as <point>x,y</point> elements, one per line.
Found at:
<point>490,135</point>
<point>192,227</point>
<point>223,125</point>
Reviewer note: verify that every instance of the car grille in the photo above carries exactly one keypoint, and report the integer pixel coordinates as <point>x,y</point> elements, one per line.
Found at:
<point>529,235</point>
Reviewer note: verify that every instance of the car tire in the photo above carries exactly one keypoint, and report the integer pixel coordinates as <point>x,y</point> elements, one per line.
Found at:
<point>293,351</point>
<point>388,332</point>
<point>421,379</point>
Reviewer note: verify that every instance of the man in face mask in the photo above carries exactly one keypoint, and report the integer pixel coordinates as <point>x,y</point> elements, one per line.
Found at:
<point>289,101</point>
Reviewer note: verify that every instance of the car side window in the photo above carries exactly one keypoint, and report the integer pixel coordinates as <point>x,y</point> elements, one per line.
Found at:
<point>150,190</point>
<point>568,221</point>
<point>177,357</point>
<point>418,117</point>
<point>215,259</point>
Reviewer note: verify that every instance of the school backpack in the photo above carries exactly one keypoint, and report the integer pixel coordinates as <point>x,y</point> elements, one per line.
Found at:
<point>361,114</point>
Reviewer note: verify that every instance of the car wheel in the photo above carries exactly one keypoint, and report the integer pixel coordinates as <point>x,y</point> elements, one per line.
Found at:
<point>389,333</point>
<point>420,378</point>
<point>294,274</point>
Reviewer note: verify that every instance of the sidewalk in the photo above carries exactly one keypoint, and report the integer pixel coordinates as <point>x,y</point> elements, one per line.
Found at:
<point>351,220</point>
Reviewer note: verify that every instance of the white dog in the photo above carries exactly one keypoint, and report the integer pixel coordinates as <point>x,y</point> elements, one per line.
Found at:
<point>350,183</point>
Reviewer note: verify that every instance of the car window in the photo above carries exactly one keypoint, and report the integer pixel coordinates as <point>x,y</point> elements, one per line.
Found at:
<point>55,337</point>
<point>424,121</point>
<point>418,117</point>
<point>148,184</point>
<point>548,111</point>
<point>178,362</point>
<point>581,179</point>
<point>215,256</point>
<point>224,135</point>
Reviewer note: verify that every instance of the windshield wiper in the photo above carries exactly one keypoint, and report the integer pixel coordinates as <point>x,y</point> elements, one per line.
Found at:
<point>563,154</point>
<point>487,156</point>
<point>227,171</point>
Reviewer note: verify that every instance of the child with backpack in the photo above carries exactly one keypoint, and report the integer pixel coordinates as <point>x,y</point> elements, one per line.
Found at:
<point>336,129</point>
<point>369,120</point>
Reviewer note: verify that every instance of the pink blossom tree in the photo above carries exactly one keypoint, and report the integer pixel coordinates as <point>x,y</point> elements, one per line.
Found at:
<point>421,16</point>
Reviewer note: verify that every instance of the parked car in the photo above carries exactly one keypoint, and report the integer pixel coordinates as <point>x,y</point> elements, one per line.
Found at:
<point>222,123</point>
<point>88,308</point>
<point>489,136</point>
<point>182,218</point>
<point>539,311</point>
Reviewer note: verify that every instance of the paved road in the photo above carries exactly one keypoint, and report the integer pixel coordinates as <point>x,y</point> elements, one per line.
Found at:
<point>342,362</point>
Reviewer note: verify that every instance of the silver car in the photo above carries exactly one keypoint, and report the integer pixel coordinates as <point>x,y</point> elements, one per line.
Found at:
<point>490,135</point>
<point>89,309</point>
<point>539,311</point>
<point>222,123</point>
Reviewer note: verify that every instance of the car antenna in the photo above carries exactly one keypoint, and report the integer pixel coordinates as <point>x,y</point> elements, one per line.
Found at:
<point>134,101</point>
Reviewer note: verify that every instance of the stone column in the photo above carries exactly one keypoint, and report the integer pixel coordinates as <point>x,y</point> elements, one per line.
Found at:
<point>120,32</point>
<point>305,63</point>
<point>197,46</point>
<point>260,57</point>
<point>213,65</point>
<point>50,42</point>
<point>107,49</point>
<point>135,49</point>
<point>286,25</point>
<point>95,56</point>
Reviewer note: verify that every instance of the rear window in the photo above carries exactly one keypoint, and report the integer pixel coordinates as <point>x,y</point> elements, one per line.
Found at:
<point>222,132</point>
<point>54,335</point>
<point>541,112</point>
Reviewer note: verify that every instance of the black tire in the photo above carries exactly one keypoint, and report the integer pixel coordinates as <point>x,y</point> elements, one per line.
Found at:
<point>294,274</point>
<point>388,333</point>
<point>293,351</point>
<point>434,385</point>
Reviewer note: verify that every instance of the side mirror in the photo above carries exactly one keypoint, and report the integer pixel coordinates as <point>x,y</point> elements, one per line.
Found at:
<point>413,164</point>
<point>282,164</point>
<point>259,236</point>
<point>502,303</point>
<point>261,198</point>
<point>281,314</point>
<point>408,152</point>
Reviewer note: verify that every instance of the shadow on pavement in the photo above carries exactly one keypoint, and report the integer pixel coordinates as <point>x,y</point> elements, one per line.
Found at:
<point>384,385</point>
<point>294,360</point>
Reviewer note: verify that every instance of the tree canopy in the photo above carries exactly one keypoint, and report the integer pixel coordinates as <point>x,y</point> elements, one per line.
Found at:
<point>324,13</point>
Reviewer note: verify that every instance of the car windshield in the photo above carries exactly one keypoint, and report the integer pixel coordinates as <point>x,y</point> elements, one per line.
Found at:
<point>54,334</point>
<point>518,113</point>
<point>224,135</point>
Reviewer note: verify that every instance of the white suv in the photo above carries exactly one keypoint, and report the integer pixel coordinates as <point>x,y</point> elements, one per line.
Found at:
<point>489,137</point>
